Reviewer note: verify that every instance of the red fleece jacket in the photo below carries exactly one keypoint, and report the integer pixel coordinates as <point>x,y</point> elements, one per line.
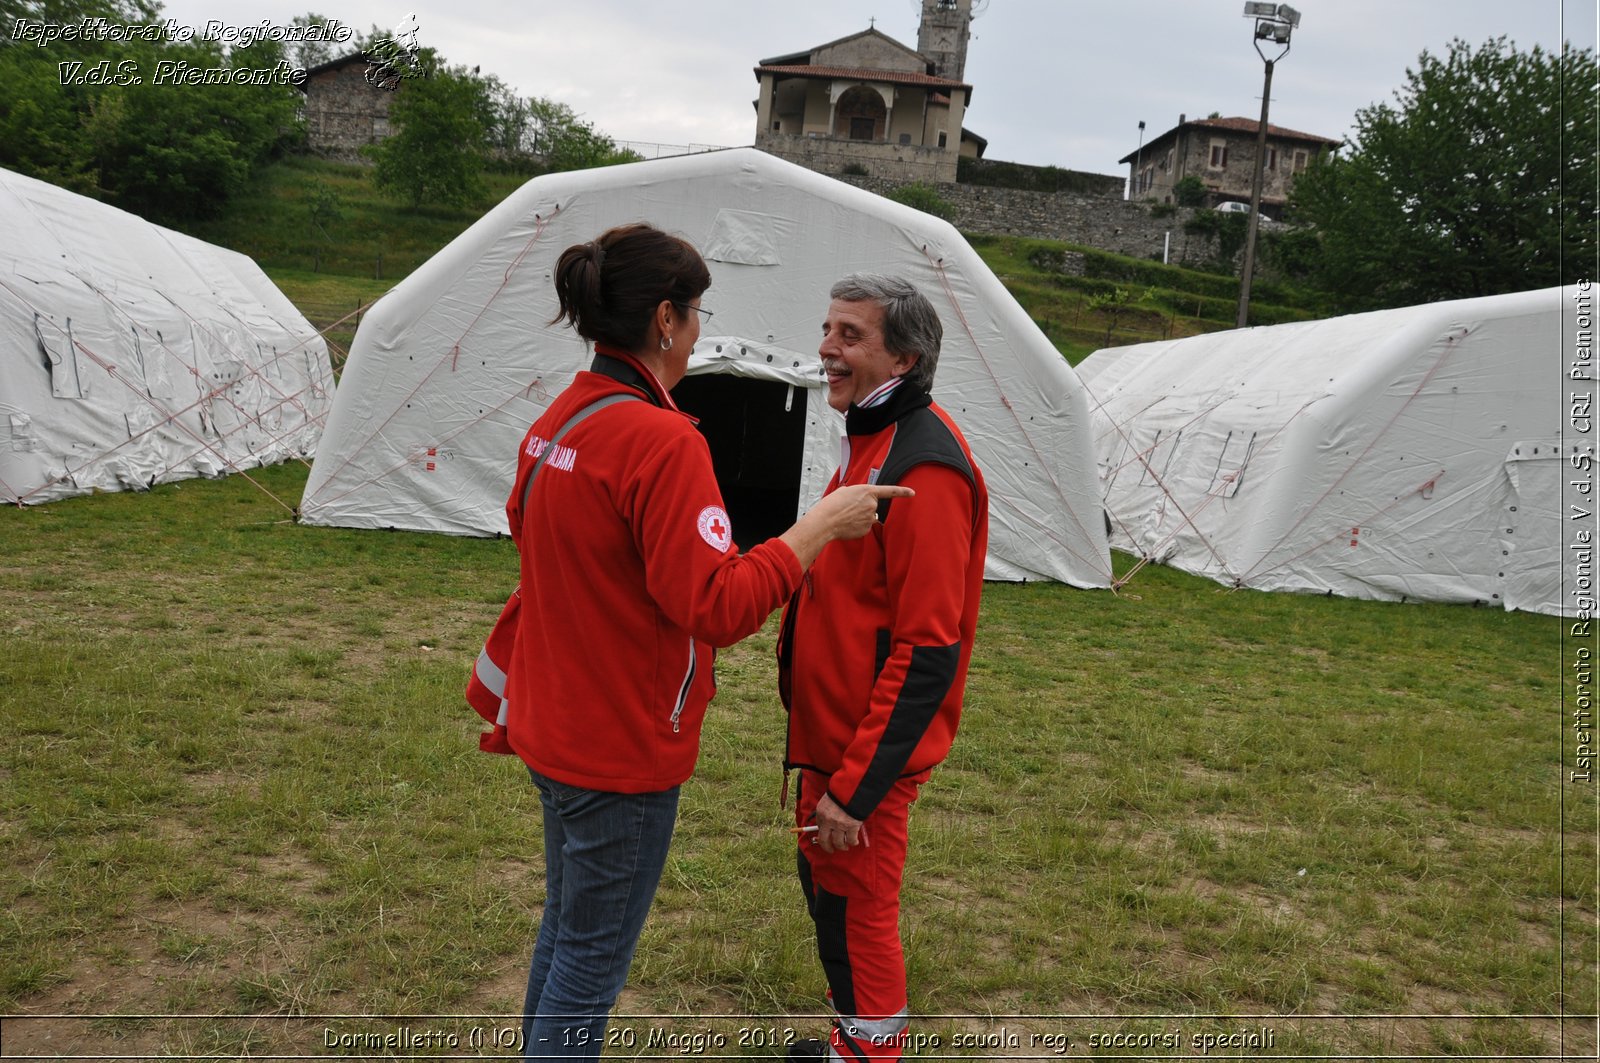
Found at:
<point>629,580</point>
<point>874,649</point>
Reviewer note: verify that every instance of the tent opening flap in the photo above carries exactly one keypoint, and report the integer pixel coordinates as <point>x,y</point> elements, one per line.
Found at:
<point>757,439</point>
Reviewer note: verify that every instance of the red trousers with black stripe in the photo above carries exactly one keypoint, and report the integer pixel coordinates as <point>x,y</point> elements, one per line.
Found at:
<point>854,900</point>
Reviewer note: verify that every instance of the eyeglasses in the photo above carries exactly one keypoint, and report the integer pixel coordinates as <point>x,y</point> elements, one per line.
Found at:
<point>698,309</point>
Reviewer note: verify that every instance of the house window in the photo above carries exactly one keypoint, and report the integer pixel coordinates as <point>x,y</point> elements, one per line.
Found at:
<point>1272,159</point>
<point>943,138</point>
<point>1219,155</point>
<point>1299,161</point>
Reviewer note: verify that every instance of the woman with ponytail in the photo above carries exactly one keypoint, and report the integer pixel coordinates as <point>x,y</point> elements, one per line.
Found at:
<point>629,581</point>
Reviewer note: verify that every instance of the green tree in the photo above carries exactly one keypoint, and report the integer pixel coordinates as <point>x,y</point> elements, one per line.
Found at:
<point>1480,179</point>
<point>42,114</point>
<point>105,118</point>
<point>172,150</point>
<point>567,142</point>
<point>437,154</point>
<point>1116,304</point>
<point>41,124</point>
<point>510,119</point>
<point>308,54</point>
<point>64,12</point>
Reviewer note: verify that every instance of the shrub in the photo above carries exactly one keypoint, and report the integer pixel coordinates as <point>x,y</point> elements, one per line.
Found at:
<point>1189,192</point>
<point>1225,231</point>
<point>1027,178</point>
<point>925,198</point>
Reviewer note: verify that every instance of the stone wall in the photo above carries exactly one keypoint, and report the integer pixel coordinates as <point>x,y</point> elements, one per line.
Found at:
<point>1109,223</point>
<point>344,111</point>
<point>893,163</point>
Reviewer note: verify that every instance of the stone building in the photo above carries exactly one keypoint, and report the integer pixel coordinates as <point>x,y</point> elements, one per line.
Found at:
<point>1222,153</point>
<point>868,104</point>
<point>345,108</point>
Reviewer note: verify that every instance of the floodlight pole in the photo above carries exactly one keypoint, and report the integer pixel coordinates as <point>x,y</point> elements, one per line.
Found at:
<point>1283,22</point>
<point>1255,202</point>
<point>1138,163</point>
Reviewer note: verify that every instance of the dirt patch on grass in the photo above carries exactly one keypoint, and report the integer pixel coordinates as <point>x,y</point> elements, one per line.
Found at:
<point>1225,827</point>
<point>210,784</point>
<point>296,870</point>
<point>503,989</point>
<point>1275,907</point>
<point>53,1035</point>
<point>167,960</point>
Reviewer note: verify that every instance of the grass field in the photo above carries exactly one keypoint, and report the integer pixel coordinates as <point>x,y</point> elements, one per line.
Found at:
<point>239,780</point>
<point>241,793</point>
<point>360,231</point>
<point>333,304</point>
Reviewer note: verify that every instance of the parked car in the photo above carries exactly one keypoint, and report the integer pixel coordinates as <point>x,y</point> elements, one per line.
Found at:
<point>1234,208</point>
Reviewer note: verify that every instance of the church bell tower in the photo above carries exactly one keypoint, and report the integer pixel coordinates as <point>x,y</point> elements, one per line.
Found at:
<point>942,36</point>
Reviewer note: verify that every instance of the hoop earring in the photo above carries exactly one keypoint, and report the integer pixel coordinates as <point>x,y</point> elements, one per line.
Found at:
<point>666,343</point>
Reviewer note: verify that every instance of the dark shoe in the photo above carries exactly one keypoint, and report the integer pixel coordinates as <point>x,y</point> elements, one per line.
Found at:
<point>810,1049</point>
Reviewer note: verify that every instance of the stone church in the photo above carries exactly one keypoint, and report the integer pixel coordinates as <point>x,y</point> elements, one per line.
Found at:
<point>868,104</point>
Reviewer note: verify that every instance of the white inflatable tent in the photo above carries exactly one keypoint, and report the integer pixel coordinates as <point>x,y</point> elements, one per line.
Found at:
<point>448,370</point>
<point>1412,453</point>
<point>136,355</point>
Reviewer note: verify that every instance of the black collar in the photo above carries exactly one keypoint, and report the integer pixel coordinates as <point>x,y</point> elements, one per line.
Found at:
<point>903,400</point>
<point>619,370</point>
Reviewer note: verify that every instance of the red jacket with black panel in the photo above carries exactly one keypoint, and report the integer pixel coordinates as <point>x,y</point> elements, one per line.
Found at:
<point>875,644</point>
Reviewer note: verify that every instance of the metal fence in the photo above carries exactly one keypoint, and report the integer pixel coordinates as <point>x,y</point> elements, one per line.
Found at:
<point>661,151</point>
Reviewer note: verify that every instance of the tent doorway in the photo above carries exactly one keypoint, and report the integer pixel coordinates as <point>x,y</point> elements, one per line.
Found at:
<point>1531,554</point>
<point>756,429</point>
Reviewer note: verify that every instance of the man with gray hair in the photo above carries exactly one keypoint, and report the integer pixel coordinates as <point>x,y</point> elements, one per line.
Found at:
<point>873,652</point>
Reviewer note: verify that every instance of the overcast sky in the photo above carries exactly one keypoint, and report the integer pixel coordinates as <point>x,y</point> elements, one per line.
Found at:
<point>1061,82</point>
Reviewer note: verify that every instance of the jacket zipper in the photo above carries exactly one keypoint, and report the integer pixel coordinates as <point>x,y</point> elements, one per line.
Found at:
<point>786,653</point>
<point>683,691</point>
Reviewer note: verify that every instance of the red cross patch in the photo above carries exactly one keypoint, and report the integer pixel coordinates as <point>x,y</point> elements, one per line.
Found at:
<point>715,528</point>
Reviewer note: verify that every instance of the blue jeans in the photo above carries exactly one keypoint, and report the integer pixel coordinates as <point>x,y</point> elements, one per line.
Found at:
<point>603,854</point>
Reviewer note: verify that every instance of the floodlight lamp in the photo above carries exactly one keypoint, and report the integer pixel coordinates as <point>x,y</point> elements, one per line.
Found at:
<point>1289,15</point>
<point>1277,32</point>
<point>1260,10</point>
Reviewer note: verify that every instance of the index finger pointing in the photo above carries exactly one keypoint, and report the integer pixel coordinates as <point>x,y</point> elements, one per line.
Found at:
<point>890,491</point>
